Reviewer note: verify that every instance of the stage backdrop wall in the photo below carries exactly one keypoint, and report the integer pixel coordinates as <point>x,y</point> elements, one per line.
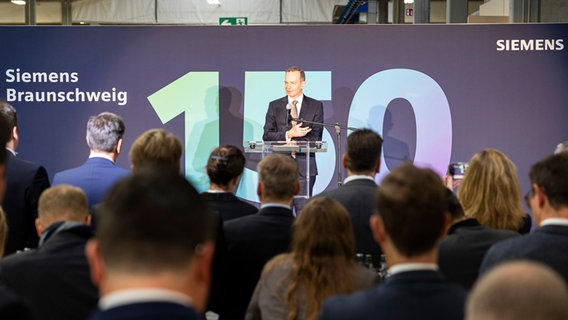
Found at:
<point>436,93</point>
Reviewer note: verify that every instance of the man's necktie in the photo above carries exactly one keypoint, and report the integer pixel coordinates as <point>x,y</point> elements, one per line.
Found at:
<point>294,111</point>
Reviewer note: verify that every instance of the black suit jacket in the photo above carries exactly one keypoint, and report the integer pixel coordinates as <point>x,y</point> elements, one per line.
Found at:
<point>462,250</point>
<point>406,295</point>
<point>148,311</point>
<point>275,126</point>
<point>358,197</point>
<point>54,278</point>
<point>13,307</point>
<point>251,242</point>
<point>25,183</point>
<point>228,206</point>
<point>546,244</point>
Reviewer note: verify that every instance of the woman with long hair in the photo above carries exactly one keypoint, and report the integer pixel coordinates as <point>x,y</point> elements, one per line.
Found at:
<point>321,263</point>
<point>490,192</point>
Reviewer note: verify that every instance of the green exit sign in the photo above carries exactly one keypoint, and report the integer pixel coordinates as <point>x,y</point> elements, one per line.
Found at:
<point>233,21</point>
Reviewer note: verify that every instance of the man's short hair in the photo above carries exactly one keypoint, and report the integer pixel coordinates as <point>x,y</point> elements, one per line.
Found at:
<point>363,150</point>
<point>62,203</point>
<point>156,148</point>
<point>278,176</point>
<point>104,131</point>
<point>551,175</point>
<point>453,205</point>
<point>10,113</point>
<point>224,164</point>
<point>411,203</point>
<point>300,70</point>
<point>153,220</point>
<point>518,290</point>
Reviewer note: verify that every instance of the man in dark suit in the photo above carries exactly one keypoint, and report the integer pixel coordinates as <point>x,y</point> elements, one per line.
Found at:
<point>99,173</point>
<point>255,239</point>
<point>151,257</point>
<point>548,201</point>
<point>54,278</point>
<point>410,220</point>
<point>11,306</point>
<point>25,183</point>
<point>362,159</point>
<point>279,125</point>
<point>462,250</point>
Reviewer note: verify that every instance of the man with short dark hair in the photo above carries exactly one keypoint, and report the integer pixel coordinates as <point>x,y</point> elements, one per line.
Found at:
<point>255,239</point>
<point>462,250</point>
<point>54,278</point>
<point>25,183</point>
<point>153,249</point>
<point>362,159</point>
<point>411,218</point>
<point>100,172</point>
<point>548,201</point>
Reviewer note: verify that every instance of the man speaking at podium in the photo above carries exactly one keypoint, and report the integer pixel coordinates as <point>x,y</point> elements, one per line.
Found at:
<point>280,126</point>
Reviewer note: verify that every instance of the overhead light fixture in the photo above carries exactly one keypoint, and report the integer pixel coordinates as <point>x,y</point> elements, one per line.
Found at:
<point>19,2</point>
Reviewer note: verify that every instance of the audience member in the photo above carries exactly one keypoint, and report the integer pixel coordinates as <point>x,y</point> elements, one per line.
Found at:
<point>294,285</point>
<point>25,183</point>
<point>490,192</point>
<point>362,160</point>
<point>518,290</point>
<point>549,204</point>
<point>156,148</point>
<point>151,257</point>
<point>224,168</point>
<point>99,173</point>
<point>561,147</point>
<point>462,250</point>
<point>255,239</point>
<point>54,278</point>
<point>411,219</point>
<point>11,306</point>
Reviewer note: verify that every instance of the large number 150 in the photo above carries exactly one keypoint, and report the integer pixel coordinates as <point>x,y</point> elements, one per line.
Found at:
<point>197,95</point>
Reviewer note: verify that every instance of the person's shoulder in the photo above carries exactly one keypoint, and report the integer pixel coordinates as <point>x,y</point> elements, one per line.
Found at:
<point>358,305</point>
<point>278,101</point>
<point>12,307</point>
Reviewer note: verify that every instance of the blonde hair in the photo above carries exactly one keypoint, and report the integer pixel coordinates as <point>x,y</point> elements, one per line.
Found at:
<point>62,202</point>
<point>490,191</point>
<point>323,248</point>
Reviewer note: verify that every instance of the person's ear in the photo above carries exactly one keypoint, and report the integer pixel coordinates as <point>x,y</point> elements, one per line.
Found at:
<point>88,219</point>
<point>259,190</point>
<point>298,187</point>
<point>344,161</point>
<point>378,168</point>
<point>119,146</point>
<point>15,135</point>
<point>96,264</point>
<point>203,274</point>
<point>39,227</point>
<point>540,198</point>
<point>378,229</point>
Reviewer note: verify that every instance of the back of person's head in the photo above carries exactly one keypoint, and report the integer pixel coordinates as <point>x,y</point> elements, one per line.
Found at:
<point>490,191</point>
<point>561,147</point>
<point>412,205</point>
<point>156,148</point>
<point>551,176</point>
<point>152,221</point>
<point>62,203</point>
<point>453,205</point>
<point>225,163</point>
<point>10,113</point>
<point>104,131</point>
<point>518,290</point>
<point>278,177</point>
<point>363,151</point>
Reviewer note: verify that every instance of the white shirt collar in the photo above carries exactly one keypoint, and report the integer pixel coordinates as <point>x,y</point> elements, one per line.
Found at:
<point>554,221</point>
<point>358,177</point>
<point>12,151</point>
<point>95,154</point>
<point>130,296</point>
<point>274,205</point>
<point>405,267</point>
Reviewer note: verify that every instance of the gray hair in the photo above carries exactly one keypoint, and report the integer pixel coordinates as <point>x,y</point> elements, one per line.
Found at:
<point>104,131</point>
<point>561,147</point>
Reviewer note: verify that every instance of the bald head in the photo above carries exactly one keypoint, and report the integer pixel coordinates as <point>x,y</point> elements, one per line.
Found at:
<point>518,290</point>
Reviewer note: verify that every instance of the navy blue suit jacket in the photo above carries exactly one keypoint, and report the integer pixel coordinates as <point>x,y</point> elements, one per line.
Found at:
<point>148,311</point>
<point>275,126</point>
<point>406,295</point>
<point>251,242</point>
<point>25,183</point>
<point>96,176</point>
<point>546,244</point>
<point>13,307</point>
<point>358,197</point>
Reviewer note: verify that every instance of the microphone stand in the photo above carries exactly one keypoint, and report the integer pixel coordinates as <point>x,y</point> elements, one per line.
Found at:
<point>338,129</point>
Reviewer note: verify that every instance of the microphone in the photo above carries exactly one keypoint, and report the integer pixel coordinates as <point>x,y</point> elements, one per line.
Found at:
<point>288,113</point>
